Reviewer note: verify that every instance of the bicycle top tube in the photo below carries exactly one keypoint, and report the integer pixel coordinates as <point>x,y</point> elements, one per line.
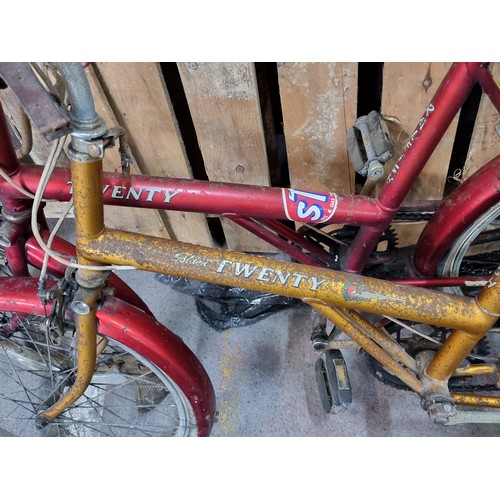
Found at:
<point>191,195</point>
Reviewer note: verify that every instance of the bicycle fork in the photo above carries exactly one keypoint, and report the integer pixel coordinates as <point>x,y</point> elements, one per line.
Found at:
<point>89,221</point>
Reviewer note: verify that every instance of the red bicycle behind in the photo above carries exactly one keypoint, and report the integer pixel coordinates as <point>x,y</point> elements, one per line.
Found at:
<point>146,381</point>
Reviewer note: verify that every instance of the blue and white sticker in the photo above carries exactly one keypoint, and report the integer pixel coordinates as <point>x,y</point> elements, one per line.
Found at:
<point>309,206</point>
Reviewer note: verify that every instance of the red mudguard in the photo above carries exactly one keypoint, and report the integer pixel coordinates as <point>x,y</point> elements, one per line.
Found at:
<point>137,330</point>
<point>457,213</point>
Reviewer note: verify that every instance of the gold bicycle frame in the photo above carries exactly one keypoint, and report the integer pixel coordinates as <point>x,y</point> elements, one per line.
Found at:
<point>334,294</point>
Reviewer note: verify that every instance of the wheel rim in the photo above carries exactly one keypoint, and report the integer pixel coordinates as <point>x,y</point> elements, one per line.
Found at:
<point>128,395</point>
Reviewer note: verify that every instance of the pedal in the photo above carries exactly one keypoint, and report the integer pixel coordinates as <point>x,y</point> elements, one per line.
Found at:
<point>369,142</point>
<point>333,381</point>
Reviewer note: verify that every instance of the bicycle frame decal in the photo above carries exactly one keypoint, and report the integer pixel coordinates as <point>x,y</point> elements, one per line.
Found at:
<point>194,260</point>
<point>269,275</point>
<point>413,137</point>
<point>121,192</point>
<point>308,206</point>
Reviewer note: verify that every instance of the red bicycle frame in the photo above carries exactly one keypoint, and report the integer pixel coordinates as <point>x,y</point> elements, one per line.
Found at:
<point>258,208</point>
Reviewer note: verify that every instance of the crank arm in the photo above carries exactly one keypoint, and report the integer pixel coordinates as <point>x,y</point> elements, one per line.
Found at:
<point>474,417</point>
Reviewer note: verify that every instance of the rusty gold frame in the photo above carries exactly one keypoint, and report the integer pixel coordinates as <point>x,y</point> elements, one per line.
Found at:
<point>334,294</point>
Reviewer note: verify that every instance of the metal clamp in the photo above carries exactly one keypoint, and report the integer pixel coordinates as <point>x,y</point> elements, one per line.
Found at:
<point>95,146</point>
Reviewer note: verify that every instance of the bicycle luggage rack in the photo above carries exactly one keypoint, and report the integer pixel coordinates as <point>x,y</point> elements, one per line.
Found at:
<point>49,118</point>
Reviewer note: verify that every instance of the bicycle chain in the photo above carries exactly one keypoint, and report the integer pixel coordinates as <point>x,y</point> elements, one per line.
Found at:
<point>412,216</point>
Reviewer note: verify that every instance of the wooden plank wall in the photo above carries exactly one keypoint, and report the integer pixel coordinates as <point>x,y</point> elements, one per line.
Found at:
<point>280,124</point>
<point>485,143</point>
<point>406,92</point>
<point>225,107</point>
<point>319,105</point>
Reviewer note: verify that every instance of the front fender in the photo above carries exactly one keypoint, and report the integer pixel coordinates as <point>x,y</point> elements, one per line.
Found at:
<point>136,329</point>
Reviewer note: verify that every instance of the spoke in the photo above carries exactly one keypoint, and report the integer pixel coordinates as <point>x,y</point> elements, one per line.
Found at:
<point>96,425</point>
<point>49,360</point>
<point>27,332</point>
<point>92,403</point>
<point>35,372</point>
<point>19,403</point>
<point>17,374</point>
<point>119,396</point>
<point>34,391</point>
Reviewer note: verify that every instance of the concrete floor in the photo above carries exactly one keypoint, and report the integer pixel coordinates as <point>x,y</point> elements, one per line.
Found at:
<point>264,377</point>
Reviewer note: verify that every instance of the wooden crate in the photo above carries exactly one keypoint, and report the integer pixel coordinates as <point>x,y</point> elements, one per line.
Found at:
<point>281,124</point>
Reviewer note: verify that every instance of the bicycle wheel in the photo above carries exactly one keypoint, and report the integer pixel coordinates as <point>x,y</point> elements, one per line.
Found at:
<point>476,252</point>
<point>129,395</point>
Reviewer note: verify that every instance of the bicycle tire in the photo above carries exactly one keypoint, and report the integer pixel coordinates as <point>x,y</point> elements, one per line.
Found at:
<point>131,394</point>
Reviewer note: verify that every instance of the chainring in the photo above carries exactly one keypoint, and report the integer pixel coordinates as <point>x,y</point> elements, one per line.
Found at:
<point>338,240</point>
<point>414,344</point>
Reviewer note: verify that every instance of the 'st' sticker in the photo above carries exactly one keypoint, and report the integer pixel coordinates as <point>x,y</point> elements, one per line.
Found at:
<point>308,206</point>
